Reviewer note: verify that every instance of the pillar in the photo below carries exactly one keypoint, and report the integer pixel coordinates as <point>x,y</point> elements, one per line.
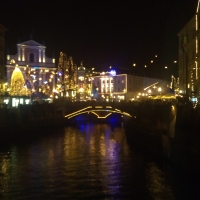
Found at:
<point>43,55</point>
<point>39,55</point>
<point>19,53</point>
<point>23,57</point>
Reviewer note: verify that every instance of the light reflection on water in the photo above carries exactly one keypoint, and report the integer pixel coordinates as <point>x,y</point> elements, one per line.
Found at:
<point>92,161</point>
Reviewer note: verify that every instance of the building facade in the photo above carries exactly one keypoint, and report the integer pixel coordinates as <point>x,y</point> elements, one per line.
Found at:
<point>189,57</point>
<point>109,86</point>
<point>84,80</point>
<point>2,55</point>
<point>38,70</point>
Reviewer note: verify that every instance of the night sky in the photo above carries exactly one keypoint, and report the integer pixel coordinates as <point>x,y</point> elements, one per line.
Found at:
<point>102,33</point>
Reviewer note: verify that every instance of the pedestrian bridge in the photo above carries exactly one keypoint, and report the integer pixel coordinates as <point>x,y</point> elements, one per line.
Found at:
<point>100,111</point>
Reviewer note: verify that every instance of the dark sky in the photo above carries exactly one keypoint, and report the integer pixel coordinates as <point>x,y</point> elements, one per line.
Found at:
<point>101,33</point>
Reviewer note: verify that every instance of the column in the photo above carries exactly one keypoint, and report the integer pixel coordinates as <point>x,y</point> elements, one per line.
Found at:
<point>23,57</point>
<point>19,53</point>
<point>43,56</point>
<point>101,84</point>
<point>106,84</point>
<point>39,55</point>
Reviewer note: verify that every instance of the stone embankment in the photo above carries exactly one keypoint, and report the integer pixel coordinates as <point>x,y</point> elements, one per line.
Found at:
<point>169,131</point>
<point>186,143</point>
<point>29,119</point>
<point>153,127</point>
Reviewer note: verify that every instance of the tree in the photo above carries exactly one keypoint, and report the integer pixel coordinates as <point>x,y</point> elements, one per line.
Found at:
<point>18,87</point>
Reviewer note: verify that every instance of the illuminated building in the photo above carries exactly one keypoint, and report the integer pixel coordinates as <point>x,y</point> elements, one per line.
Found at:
<point>81,82</point>
<point>109,86</point>
<point>2,55</point>
<point>38,70</point>
<point>189,57</point>
<point>74,83</point>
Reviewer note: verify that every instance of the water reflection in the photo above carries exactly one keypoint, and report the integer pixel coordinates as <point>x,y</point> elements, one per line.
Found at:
<point>92,161</point>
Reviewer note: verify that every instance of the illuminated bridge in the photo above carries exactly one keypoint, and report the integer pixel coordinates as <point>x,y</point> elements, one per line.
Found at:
<point>100,111</point>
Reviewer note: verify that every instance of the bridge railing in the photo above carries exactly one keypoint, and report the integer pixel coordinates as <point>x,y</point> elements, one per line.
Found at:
<point>128,107</point>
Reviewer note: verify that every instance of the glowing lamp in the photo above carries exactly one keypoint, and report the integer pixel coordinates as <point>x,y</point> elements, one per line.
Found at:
<point>113,72</point>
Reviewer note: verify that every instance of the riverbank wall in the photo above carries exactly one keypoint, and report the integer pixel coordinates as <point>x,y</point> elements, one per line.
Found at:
<point>168,131</point>
<point>27,120</point>
<point>22,120</point>
<point>152,128</point>
<point>165,130</point>
<point>186,143</point>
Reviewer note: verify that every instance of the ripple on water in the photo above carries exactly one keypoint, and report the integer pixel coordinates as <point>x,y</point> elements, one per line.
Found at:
<point>93,161</point>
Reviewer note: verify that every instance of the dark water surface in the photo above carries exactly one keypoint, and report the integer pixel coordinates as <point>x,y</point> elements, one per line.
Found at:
<point>90,161</point>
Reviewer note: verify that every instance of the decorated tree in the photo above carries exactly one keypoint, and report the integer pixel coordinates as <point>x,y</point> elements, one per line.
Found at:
<point>18,87</point>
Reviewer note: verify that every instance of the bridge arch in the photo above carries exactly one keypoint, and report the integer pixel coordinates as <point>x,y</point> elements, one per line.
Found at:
<point>101,112</point>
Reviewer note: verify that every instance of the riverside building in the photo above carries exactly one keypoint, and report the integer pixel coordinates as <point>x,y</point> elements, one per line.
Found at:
<point>38,70</point>
<point>189,57</point>
<point>2,55</point>
<point>109,86</point>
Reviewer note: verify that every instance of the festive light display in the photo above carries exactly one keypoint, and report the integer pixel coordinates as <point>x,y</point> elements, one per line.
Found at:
<point>66,76</point>
<point>96,111</point>
<point>18,87</point>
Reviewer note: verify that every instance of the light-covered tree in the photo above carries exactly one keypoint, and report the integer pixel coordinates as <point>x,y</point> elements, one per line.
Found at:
<point>18,87</point>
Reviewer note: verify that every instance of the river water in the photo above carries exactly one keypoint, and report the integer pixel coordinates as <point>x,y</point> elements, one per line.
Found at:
<point>88,161</point>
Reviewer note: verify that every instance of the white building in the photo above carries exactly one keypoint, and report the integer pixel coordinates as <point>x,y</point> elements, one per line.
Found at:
<point>31,54</point>
<point>109,86</point>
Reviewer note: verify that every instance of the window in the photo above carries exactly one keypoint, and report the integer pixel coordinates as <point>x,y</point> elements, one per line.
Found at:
<point>31,57</point>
